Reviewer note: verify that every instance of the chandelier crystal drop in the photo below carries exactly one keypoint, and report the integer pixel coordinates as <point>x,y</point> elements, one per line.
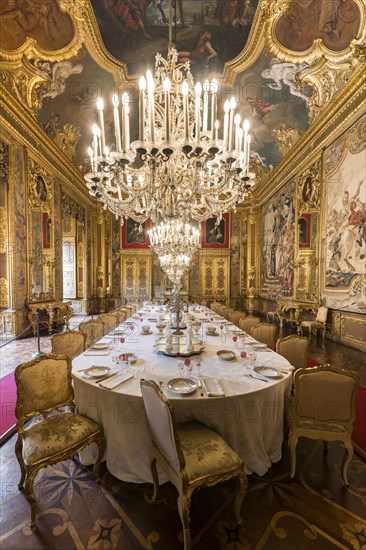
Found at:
<point>179,167</point>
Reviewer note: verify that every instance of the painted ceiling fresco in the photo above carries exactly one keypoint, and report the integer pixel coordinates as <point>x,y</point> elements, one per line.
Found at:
<point>208,33</point>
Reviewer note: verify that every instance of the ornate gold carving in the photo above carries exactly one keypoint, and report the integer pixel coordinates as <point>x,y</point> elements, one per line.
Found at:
<point>4,292</point>
<point>98,214</point>
<point>67,139</point>
<point>80,254</point>
<point>72,208</point>
<point>3,229</point>
<point>80,288</point>
<point>100,272</point>
<point>286,137</point>
<point>308,188</point>
<point>66,222</point>
<point>39,187</point>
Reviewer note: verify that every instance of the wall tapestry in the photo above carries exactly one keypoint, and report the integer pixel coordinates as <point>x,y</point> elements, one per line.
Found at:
<point>344,226</point>
<point>278,237</point>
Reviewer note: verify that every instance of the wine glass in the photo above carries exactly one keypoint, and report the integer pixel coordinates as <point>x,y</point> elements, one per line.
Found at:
<point>235,340</point>
<point>196,326</point>
<point>189,366</point>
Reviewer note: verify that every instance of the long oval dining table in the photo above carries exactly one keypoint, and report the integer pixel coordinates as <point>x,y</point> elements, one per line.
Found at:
<point>249,416</point>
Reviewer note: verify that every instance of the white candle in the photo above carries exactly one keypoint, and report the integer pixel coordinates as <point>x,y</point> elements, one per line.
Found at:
<point>167,86</point>
<point>100,107</point>
<point>205,105</point>
<point>117,129</point>
<point>95,139</point>
<point>245,146</point>
<point>237,126</point>
<point>127,119</point>
<point>150,89</point>
<point>142,88</point>
<point>226,124</point>
<point>91,156</point>
<point>231,122</point>
<point>213,105</point>
<point>216,131</point>
<point>248,151</point>
<point>198,90</point>
<point>185,109</point>
<point>241,133</point>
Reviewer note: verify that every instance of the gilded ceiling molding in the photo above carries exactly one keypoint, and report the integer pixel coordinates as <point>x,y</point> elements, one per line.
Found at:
<point>339,114</point>
<point>328,69</point>
<point>286,137</point>
<point>21,70</point>
<point>25,130</point>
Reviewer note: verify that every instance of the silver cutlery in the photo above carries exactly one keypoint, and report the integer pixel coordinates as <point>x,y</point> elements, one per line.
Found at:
<point>107,376</point>
<point>257,377</point>
<point>199,384</point>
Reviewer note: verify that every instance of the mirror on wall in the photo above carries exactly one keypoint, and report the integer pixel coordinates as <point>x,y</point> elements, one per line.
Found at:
<point>41,261</point>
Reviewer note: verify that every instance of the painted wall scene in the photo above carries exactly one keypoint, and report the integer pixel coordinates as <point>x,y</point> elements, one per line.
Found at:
<point>278,238</point>
<point>335,22</point>
<point>207,33</point>
<point>345,220</point>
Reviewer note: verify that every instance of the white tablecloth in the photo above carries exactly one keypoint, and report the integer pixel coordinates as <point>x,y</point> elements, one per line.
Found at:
<point>249,417</point>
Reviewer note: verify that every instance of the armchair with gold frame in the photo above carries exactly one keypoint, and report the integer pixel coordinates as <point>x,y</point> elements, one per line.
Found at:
<point>70,343</point>
<point>323,408</point>
<point>192,455</point>
<point>320,322</point>
<point>43,386</point>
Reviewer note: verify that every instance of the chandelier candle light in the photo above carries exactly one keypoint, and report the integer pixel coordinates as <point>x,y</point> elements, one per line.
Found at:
<point>179,167</point>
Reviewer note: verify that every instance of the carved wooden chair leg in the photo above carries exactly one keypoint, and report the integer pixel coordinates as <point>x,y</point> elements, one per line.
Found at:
<point>29,493</point>
<point>155,477</point>
<point>19,455</point>
<point>101,448</point>
<point>184,502</point>
<point>349,448</point>
<point>293,444</point>
<point>242,483</point>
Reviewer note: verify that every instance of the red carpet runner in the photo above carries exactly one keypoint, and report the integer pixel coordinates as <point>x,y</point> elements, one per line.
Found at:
<point>8,397</point>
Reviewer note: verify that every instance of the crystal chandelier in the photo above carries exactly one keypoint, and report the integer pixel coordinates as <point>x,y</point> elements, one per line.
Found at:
<point>179,167</point>
<point>174,242</point>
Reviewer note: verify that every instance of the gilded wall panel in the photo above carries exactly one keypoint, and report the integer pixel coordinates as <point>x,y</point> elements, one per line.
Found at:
<point>235,280</point>
<point>19,231</point>
<point>57,223</point>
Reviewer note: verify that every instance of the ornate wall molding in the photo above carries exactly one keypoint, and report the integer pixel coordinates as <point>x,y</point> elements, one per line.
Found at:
<point>72,208</point>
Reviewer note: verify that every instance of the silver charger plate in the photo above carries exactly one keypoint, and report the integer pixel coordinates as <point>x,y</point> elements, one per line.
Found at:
<point>181,386</point>
<point>268,372</point>
<point>226,354</point>
<point>97,372</point>
<point>130,357</point>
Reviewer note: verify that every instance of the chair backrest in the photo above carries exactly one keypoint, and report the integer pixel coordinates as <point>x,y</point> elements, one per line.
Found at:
<point>109,320</point>
<point>215,306</point>
<point>235,317</point>
<point>265,333</point>
<point>221,308</point>
<point>70,343</point>
<point>161,422</point>
<point>325,394</point>
<point>93,330</point>
<point>121,315</point>
<point>322,314</point>
<point>226,312</point>
<point>294,349</point>
<point>248,323</point>
<point>128,310</point>
<point>43,385</point>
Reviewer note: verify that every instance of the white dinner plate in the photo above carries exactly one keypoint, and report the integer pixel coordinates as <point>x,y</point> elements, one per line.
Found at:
<point>99,346</point>
<point>269,372</point>
<point>258,345</point>
<point>182,386</point>
<point>97,372</point>
<point>226,354</point>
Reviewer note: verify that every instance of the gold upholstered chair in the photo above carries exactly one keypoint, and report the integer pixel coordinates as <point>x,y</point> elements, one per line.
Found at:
<point>93,330</point>
<point>235,317</point>
<point>129,310</point>
<point>192,455</point>
<point>70,343</point>
<point>109,320</point>
<point>295,349</point>
<point>227,312</point>
<point>121,315</point>
<point>43,386</point>
<point>248,323</point>
<point>320,322</point>
<point>323,408</point>
<point>265,333</point>
<point>215,306</point>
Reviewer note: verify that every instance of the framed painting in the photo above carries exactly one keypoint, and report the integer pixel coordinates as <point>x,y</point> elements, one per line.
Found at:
<point>216,235</point>
<point>304,226</point>
<point>135,234</point>
<point>46,230</point>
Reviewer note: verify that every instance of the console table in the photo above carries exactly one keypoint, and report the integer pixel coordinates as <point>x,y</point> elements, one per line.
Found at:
<point>53,312</point>
<point>290,310</point>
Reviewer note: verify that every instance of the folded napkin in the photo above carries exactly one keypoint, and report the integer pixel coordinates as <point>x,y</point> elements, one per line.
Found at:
<point>113,382</point>
<point>97,353</point>
<point>212,387</point>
